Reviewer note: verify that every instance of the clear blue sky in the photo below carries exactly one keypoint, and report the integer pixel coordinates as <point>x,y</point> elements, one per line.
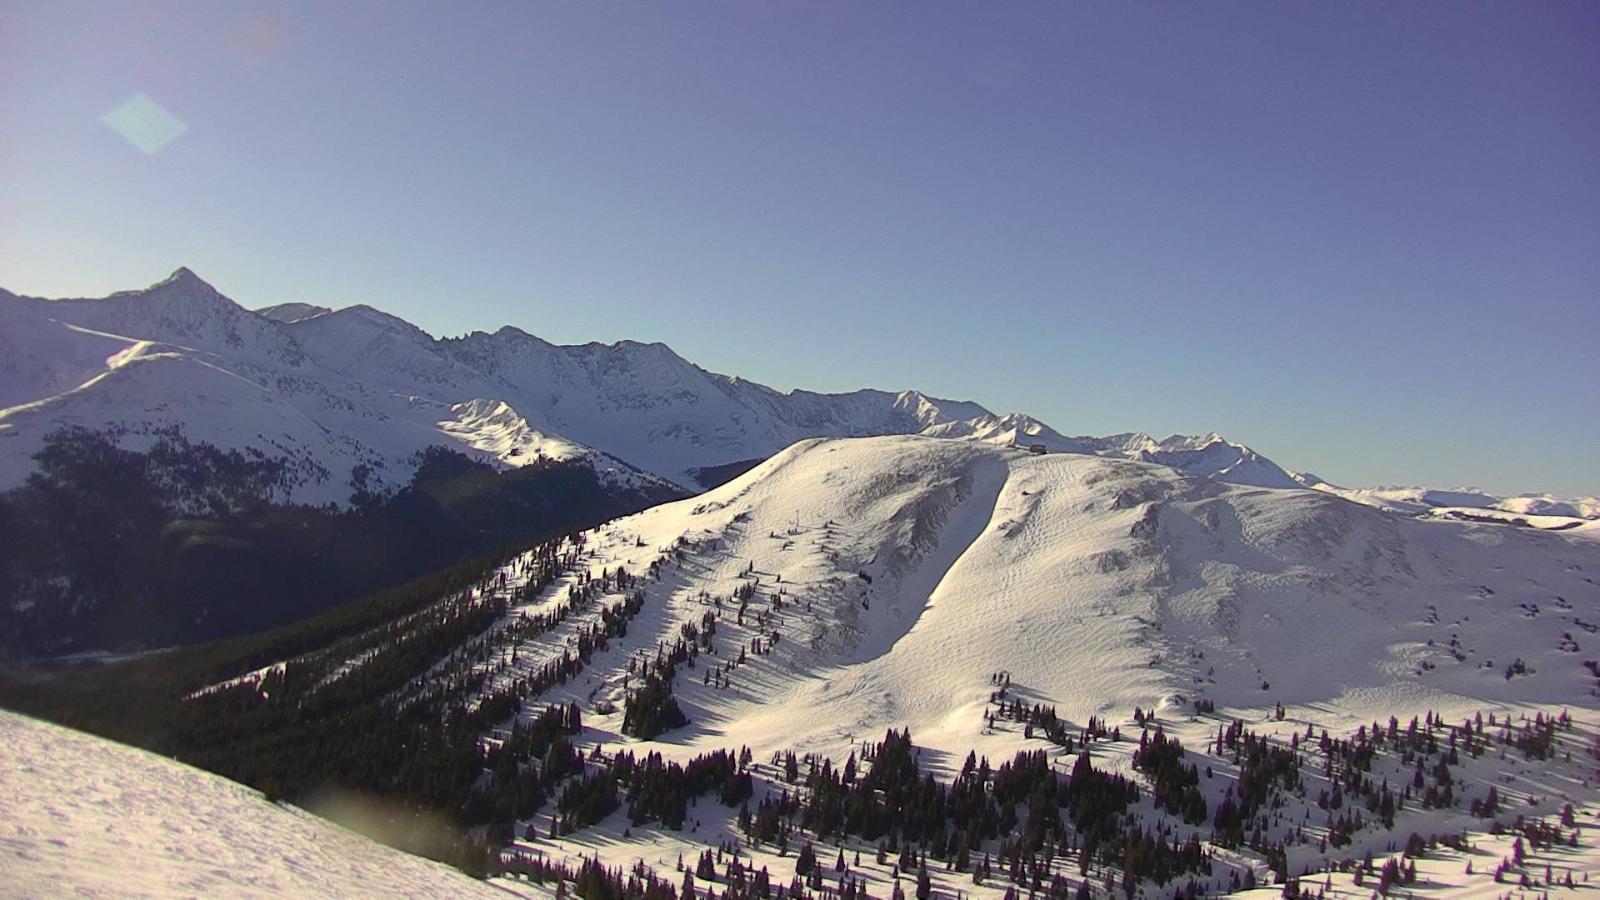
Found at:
<point>1361,237</point>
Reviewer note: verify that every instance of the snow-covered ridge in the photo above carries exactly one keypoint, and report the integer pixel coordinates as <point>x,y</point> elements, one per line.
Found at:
<point>903,560</point>
<point>289,313</point>
<point>1535,510</point>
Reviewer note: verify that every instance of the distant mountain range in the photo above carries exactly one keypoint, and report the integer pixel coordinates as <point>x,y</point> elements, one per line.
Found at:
<point>334,390</point>
<point>339,391</point>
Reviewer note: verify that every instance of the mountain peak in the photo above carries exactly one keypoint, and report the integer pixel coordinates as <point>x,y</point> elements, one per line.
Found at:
<point>182,283</point>
<point>633,346</point>
<point>185,277</point>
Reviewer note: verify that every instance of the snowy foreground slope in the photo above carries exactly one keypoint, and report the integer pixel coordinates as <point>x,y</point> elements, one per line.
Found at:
<point>81,816</point>
<point>868,584</point>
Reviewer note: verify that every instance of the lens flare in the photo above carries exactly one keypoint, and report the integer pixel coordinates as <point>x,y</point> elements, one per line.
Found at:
<point>144,123</point>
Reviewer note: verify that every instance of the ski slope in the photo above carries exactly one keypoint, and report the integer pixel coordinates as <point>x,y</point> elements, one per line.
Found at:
<point>902,573</point>
<point>1100,585</point>
<point>83,816</point>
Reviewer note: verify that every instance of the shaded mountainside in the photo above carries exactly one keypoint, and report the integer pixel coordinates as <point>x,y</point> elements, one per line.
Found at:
<point>111,549</point>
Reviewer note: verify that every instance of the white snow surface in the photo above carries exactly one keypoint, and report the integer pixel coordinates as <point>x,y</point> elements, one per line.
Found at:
<point>82,816</point>
<point>1420,500</point>
<point>293,312</point>
<point>1099,584</point>
<point>902,572</point>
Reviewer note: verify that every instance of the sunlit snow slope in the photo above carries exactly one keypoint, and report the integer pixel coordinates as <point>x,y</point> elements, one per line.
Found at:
<point>907,570</point>
<point>82,816</point>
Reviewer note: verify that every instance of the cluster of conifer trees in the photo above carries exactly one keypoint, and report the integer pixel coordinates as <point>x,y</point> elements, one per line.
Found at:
<point>1176,786</point>
<point>535,758</point>
<point>651,709</point>
<point>885,798</point>
<point>655,790</point>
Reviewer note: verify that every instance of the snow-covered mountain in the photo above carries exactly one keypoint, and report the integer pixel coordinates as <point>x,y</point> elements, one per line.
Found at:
<point>1102,584</point>
<point>1536,510</point>
<point>88,817</point>
<point>334,390</point>
<point>331,392</point>
<point>847,587</point>
<point>1210,456</point>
